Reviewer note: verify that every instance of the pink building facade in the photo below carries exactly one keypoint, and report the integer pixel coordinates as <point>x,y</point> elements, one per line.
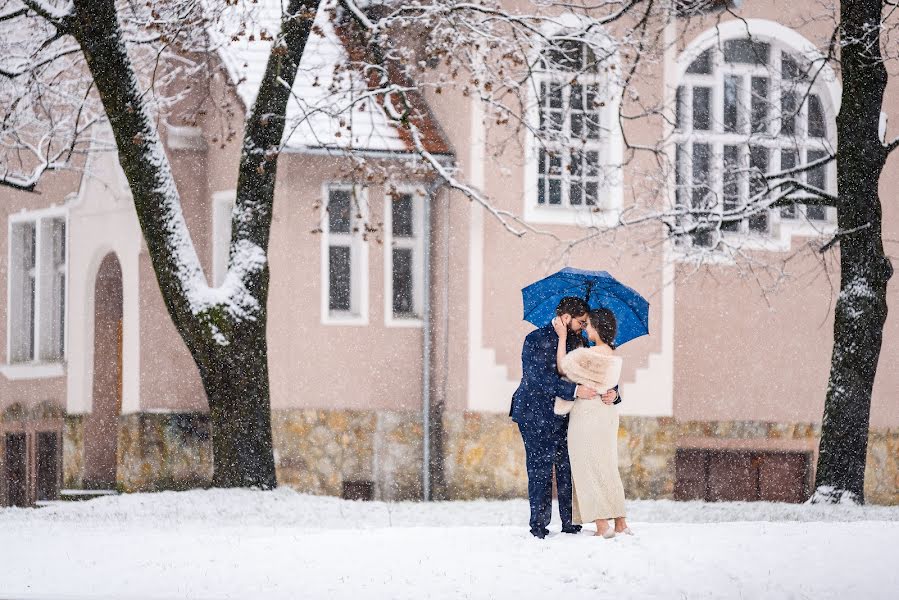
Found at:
<point>723,400</point>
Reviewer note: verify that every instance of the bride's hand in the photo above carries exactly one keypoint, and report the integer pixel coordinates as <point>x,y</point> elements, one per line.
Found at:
<point>560,327</point>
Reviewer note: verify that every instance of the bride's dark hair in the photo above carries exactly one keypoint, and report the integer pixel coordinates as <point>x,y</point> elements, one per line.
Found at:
<point>605,324</point>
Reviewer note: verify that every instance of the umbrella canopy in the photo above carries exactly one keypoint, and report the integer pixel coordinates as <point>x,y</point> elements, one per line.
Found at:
<point>598,289</point>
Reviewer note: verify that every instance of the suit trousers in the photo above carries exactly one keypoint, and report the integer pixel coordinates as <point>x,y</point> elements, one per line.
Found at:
<point>547,448</point>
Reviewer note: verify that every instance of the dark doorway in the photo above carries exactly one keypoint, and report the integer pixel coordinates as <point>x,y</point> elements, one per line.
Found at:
<point>101,426</point>
<point>735,475</point>
<point>16,461</point>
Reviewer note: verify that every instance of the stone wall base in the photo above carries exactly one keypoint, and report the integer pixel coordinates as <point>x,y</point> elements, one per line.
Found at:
<point>328,452</point>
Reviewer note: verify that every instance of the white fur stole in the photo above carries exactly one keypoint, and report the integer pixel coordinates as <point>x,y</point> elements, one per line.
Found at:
<point>588,367</point>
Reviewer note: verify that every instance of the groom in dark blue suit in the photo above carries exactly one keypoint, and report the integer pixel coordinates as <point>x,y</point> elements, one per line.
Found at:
<point>545,433</point>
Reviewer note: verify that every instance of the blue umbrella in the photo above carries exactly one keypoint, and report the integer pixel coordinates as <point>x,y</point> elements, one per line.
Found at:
<point>599,289</point>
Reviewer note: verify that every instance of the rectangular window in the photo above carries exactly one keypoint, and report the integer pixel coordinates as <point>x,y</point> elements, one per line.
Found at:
<point>37,289</point>
<point>345,256</point>
<point>404,257</point>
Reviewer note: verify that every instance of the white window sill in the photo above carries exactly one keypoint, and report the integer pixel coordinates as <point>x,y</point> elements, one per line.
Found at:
<point>344,319</point>
<point>412,322</point>
<point>567,215</point>
<point>33,370</point>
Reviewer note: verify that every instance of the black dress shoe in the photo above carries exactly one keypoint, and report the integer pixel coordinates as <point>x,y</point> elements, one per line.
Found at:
<point>539,533</point>
<point>571,529</point>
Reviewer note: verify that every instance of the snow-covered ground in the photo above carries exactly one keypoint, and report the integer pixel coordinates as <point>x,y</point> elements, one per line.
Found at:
<point>242,544</point>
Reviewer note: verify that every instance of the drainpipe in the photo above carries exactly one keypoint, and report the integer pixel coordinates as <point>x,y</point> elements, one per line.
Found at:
<point>426,332</point>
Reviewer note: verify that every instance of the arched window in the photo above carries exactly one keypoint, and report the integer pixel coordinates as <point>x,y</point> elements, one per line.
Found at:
<point>748,108</point>
<point>576,118</point>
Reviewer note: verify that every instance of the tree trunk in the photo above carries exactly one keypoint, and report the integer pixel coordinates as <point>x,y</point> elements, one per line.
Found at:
<point>236,382</point>
<point>861,308</point>
<point>230,351</point>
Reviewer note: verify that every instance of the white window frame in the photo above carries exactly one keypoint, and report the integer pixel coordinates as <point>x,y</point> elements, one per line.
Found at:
<point>781,39</point>
<point>222,211</point>
<point>610,148</point>
<point>416,244</point>
<point>359,276</point>
<point>36,367</point>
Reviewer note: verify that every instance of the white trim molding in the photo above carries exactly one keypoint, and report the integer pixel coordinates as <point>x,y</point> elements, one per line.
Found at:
<point>359,266</point>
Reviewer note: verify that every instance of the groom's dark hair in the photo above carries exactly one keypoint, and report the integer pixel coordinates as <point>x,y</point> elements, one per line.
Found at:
<point>572,305</point>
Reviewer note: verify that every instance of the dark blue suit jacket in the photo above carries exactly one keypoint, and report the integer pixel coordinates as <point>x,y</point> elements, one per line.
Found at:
<point>533,401</point>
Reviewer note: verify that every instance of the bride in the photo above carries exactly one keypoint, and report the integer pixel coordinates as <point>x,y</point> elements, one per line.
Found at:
<point>593,427</point>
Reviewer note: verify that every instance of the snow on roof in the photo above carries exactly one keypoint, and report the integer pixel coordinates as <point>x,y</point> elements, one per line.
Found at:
<point>331,105</point>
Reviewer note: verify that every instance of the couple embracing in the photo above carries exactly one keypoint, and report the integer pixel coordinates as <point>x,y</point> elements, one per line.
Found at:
<point>565,410</point>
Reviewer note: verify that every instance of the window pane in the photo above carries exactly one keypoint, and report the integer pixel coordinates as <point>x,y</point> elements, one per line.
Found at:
<point>555,164</point>
<point>591,163</point>
<point>577,124</point>
<point>566,55</point>
<point>702,64</point>
<point>402,216</point>
<point>592,125</point>
<point>759,106</point>
<point>555,191</point>
<point>789,67</point>
<point>758,162</point>
<point>746,51</point>
<point>702,108</point>
<point>816,125</point>
<point>817,177</point>
<point>788,108</point>
<point>541,191</point>
<point>340,206</point>
<point>339,278</point>
<point>574,193</point>
<point>733,84</point>
<point>22,291</point>
<point>702,164</point>
<point>592,193</point>
<point>402,282</point>
<point>555,95</point>
<point>576,97</point>
<point>787,162</point>
<point>731,185</point>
